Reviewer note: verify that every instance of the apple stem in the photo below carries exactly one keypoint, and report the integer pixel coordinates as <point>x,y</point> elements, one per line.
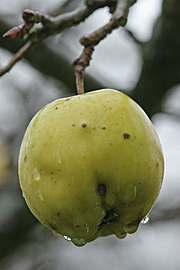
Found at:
<point>80,82</point>
<point>80,65</point>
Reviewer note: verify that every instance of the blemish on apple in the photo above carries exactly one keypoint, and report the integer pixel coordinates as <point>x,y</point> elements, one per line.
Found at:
<point>101,189</point>
<point>126,136</point>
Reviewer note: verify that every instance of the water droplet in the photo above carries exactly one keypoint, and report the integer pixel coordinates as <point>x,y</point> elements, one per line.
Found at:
<point>67,238</point>
<point>36,175</point>
<point>145,219</point>
<point>79,242</point>
<point>58,157</point>
<point>87,229</point>
<point>40,195</point>
<point>121,235</point>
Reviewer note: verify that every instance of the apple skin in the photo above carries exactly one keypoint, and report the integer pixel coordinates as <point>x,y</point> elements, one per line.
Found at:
<point>91,165</point>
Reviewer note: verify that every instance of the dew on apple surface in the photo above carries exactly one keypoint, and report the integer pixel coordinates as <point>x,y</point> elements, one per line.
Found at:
<point>58,157</point>
<point>36,175</point>
<point>38,192</point>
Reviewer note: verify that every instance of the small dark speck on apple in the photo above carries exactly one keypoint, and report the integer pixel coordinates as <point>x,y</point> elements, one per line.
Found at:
<point>126,136</point>
<point>101,189</point>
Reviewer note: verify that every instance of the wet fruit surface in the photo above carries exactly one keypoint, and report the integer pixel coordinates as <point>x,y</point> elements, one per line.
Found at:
<point>90,166</point>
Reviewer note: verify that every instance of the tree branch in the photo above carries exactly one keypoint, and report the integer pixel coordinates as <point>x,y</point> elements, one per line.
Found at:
<point>122,9</point>
<point>54,25</point>
<point>54,64</point>
<point>49,26</point>
<point>17,57</point>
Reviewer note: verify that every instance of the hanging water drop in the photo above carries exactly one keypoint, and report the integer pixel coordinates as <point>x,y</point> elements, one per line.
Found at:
<point>67,238</point>
<point>79,242</point>
<point>145,219</point>
<point>36,175</point>
<point>121,235</point>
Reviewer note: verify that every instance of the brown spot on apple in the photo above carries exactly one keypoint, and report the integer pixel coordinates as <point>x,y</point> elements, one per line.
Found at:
<point>126,136</point>
<point>101,189</point>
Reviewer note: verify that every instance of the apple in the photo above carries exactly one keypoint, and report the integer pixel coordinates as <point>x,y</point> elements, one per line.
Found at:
<point>91,165</point>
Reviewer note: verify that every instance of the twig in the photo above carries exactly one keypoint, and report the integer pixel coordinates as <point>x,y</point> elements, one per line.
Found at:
<point>54,25</point>
<point>50,26</point>
<point>119,18</point>
<point>122,9</point>
<point>17,57</point>
<point>95,37</point>
<point>31,16</point>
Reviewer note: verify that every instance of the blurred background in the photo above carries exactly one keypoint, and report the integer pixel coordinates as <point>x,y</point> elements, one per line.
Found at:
<point>143,61</point>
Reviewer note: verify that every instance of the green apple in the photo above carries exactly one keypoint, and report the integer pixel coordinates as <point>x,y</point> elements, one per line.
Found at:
<point>91,165</point>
